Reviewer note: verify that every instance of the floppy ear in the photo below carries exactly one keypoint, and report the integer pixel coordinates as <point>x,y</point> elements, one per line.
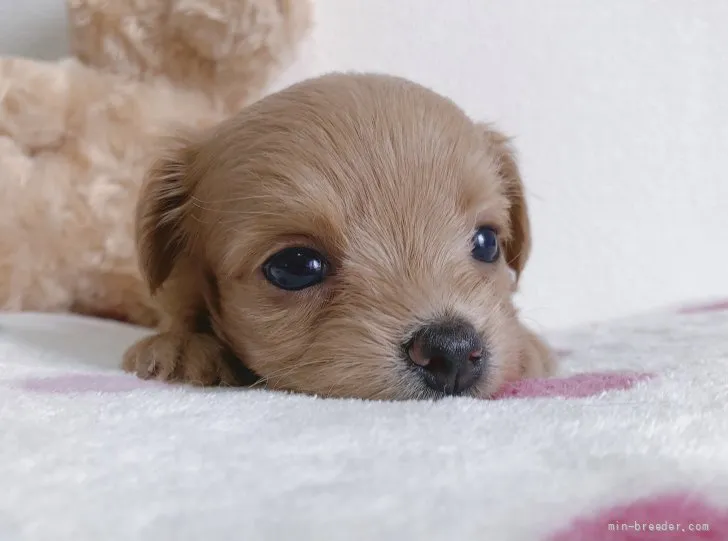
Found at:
<point>517,248</point>
<point>162,235</point>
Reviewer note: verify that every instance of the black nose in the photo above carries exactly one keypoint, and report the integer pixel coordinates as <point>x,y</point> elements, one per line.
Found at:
<point>449,354</point>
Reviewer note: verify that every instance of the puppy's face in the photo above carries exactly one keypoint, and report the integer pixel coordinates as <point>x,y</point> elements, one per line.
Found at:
<point>354,235</point>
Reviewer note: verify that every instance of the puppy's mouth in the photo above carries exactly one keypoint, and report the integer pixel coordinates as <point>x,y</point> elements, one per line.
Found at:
<point>448,358</point>
<point>426,386</point>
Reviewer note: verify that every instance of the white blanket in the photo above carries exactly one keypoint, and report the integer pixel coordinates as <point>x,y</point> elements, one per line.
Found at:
<point>634,445</point>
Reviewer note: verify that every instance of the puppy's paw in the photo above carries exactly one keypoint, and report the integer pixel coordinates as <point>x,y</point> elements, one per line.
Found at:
<point>199,359</point>
<point>537,358</point>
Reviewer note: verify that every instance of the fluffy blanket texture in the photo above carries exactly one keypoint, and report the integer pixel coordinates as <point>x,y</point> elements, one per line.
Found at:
<point>631,442</point>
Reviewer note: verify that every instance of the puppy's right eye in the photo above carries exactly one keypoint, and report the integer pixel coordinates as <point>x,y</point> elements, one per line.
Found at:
<point>295,268</point>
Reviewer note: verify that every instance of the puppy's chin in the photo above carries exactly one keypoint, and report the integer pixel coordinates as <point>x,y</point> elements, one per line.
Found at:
<point>341,378</point>
<point>410,386</point>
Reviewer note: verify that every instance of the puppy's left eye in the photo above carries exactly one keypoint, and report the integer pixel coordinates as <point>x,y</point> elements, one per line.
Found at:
<point>295,268</point>
<point>485,245</point>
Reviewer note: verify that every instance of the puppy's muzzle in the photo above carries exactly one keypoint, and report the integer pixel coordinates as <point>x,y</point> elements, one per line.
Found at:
<point>449,355</point>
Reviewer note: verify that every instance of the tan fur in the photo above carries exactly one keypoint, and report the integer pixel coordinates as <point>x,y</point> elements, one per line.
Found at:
<point>76,136</point>
<point>385,177</point>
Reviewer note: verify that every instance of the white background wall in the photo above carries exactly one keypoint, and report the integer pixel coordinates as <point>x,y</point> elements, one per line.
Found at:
<point>619,108</point>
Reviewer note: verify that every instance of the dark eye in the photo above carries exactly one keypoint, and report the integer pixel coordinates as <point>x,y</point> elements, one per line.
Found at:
<point>485,245</point>
<point>295,268</point>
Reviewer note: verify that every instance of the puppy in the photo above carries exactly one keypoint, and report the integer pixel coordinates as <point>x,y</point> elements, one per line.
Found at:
<point>354,235</point>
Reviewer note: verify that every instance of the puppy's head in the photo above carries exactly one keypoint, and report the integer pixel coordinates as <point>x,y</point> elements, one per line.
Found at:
<point>353,235</point>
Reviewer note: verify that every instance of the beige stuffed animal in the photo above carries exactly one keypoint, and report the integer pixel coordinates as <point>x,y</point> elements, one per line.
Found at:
<point>76,136</point>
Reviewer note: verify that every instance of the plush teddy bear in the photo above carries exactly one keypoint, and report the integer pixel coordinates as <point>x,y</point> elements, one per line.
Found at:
<point>77,135</point>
